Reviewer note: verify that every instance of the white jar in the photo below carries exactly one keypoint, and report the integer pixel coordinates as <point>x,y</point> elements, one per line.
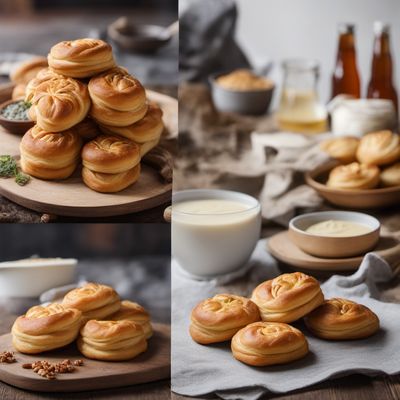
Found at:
<point>356,117</point>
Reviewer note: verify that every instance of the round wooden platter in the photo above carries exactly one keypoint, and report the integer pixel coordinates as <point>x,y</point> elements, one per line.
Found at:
<point>283,249</point>
<point>71,197</point>
<point>150,366</point>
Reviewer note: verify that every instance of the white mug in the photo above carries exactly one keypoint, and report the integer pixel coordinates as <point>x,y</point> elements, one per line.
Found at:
<point>207,245</point>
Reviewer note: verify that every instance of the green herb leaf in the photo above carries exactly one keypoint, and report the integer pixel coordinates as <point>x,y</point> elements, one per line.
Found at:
<point>8,167</point>
<point>22,179</point>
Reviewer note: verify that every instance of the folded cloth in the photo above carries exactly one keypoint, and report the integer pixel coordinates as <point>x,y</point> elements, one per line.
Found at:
<point>200,370</point>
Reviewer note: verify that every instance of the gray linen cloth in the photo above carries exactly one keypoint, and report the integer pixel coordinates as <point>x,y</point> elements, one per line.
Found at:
<point>200,370</point>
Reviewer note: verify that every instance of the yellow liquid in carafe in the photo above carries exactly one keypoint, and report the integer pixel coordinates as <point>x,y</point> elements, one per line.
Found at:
<point>300,111</point>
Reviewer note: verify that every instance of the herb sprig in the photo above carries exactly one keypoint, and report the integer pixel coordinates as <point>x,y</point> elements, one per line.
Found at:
<point>9,169</point>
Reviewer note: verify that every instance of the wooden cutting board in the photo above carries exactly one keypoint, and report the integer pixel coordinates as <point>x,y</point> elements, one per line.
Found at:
<point>282,248</point>
<point>150,366</point>
<point>71,197</point>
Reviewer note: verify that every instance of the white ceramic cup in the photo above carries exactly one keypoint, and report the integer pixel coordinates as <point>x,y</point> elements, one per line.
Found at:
<point>209,244</point>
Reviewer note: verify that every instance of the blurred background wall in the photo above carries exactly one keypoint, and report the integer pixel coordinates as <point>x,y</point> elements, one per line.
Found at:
<point>279,29</point>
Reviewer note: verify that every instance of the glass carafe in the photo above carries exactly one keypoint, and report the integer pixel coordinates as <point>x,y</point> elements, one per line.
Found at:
<point>299,108</point>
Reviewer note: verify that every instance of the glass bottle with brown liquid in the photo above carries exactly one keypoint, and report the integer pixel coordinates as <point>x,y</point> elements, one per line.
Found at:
<point>345,78</point>
<point>381,84</point>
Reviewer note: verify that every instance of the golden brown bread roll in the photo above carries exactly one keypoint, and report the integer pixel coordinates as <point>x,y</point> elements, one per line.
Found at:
<point>43,75</point>
<point>96,301</point>
<point>287,297</point>
<point>342,319</point>
<point>218,318</point>
<point>27,70</point>
<point>148,129</point>
<point>81,58</point>
<point>148,146</point>
<point>390,176</point>
<point>18,92</point>
<point>110,183</point>
<point>58,104</point>
<point>87,129</point>
<point>354,176</point>
<point>49,155</point>
<point>112,340</point>
<point>45,328</point>
<point>134,312</point>
<point>268,343</point>
<point>379,148</point>
<point>342,148</point>
<point>118,98</point>
<point>110,154</point>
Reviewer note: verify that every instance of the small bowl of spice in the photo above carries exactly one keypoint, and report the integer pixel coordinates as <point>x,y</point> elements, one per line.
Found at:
<point>14,116</point>
<point>241,91</point>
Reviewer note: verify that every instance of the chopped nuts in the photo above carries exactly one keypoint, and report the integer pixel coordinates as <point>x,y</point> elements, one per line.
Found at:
<point>78,363</point>
<point>7,357</point>
<point>47,370</point>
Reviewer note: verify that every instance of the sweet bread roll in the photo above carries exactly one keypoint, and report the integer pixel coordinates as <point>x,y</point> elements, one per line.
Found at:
<point>268,343</point>
<point>87,129</point>
<point>390,176</point>
<point>110,183</point>
<point>110,154</point>
<point>111,340</point>
<point>218,318</point>
<point>134,312</point>
<point>379,148</point>
<point>354,176</point>
<point>342,319</point>
<point>94,300</point>
<point>342,148</point>
<point>45,328</point>
<point>148,129</point>
<point>58,104</point>
<point>118,98</point>
<point>27,70</point>
<point>81,58</point>
<point>18,92</point>
<point>50,155</point>
<point>43,75</point>
<point>148,146</point>
<point>287,297</point>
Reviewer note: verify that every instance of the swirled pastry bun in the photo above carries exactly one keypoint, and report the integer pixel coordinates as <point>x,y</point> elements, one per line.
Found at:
<point>379,148</point>
<point>50,155</point>
<point>148,129</point>
<point>45,328</point>
<point>110,183</point>
<point>134,312</point>
<point>81,58</point>
<point>27,70</point>
<point>118,98</point>
<point>218,318</point>
<point>342,319</point>
<point>390,176</point>
<point>58,104</point>
<point>268,343</point>
<point>354,176</point>
<point>110,154</point>
<point>43,75</point>
<point>287,297</point>
<point>112,340</point>
<point>342,148</point>
<point>96,301</point>
<point>87,129</point>
<point>148,146</point>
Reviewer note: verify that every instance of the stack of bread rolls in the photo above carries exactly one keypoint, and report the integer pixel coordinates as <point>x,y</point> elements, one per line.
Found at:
<point>367,163</point>
<point>105,327</point>
<point>88,109</point>
<point>259,329</point>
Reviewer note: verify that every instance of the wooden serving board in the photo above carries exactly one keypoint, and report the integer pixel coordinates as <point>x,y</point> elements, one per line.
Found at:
<point>282,248</point>
<point>150,366</point>
<point>71,197</point>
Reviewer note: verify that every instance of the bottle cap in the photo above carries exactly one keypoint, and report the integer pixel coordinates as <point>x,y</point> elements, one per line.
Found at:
<point>346,28</point>
<point>381,27</point>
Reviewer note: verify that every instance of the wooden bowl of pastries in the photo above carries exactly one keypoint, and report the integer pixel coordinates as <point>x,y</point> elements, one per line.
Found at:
<point>365,172</point>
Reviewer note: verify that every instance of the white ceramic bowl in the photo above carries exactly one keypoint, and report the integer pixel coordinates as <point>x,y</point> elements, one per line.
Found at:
<point>332,246</point>
<point>207,245</point>
<point>32,277</point>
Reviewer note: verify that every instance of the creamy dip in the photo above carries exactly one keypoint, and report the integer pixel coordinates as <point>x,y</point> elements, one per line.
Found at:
<point>338,228</point>
<point>212,206</point>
